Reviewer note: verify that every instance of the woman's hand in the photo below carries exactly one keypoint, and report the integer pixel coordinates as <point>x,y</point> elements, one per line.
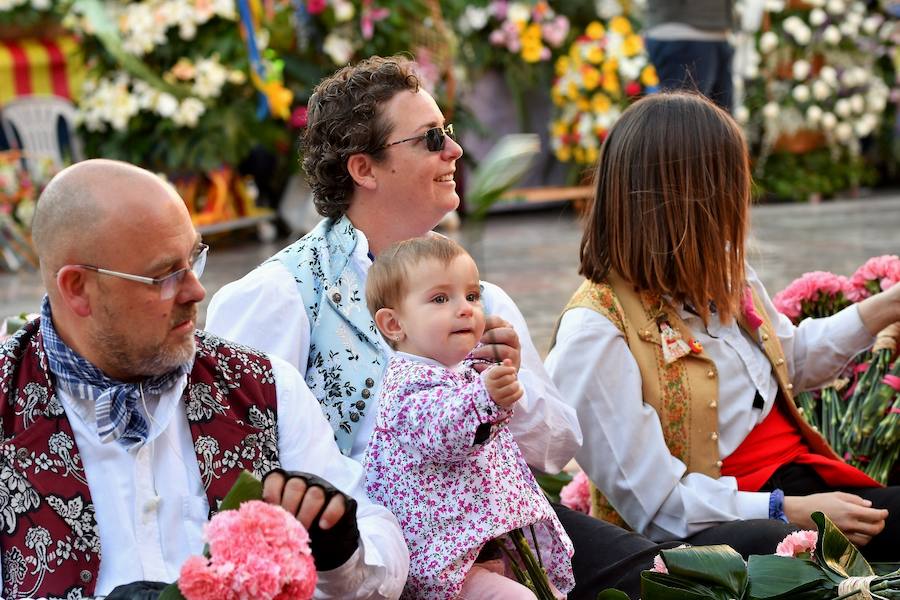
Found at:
<point>500,342</point>
<point>880,310</point>
<point>853,515</point>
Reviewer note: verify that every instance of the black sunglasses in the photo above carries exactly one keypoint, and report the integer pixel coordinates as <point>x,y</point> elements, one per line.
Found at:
<point>435,138</point>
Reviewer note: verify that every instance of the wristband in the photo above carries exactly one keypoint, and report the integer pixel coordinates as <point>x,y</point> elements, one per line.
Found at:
<point>776,506</point>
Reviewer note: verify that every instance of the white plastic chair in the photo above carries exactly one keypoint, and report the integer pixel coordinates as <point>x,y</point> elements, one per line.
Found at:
<point>34,121</point>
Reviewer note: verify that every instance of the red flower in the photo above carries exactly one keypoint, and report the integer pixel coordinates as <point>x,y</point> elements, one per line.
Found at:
<point>299,117</point>
<point>633,88</point>
<point>315,7</point>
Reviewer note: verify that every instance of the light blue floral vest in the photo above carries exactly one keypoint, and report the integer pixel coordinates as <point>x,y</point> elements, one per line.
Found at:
<point>346,358</point>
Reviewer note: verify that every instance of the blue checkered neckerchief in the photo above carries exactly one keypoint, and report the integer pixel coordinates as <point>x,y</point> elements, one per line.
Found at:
<point>115,402</point>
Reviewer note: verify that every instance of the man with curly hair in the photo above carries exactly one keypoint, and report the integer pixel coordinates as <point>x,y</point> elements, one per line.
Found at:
<point>122,427</point>
<point>381,161</point>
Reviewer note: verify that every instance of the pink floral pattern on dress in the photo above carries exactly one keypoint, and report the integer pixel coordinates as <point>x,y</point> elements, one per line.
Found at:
<point>450,494</point>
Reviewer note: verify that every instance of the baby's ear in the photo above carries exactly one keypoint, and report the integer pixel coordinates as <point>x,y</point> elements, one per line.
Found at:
<point>388,324</point>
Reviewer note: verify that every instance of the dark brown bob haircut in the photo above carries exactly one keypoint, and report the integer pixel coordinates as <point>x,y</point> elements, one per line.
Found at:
<point>345,118</point>
<point>387,282</point>
<point>671,206</point>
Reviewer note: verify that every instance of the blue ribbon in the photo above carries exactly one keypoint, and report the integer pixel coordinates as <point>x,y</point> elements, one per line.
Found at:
<point>262,106</point>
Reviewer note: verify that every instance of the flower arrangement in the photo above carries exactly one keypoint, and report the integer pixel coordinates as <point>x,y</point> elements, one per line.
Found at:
<point>255,551</point>
<point>576,494</point>
<point>175,85</point>
<point>820,565</point>
<point>605,68</point>
<point>810,82</point>
<point>859,414</point>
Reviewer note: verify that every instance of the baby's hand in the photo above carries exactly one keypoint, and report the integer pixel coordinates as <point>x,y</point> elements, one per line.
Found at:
<point>503,384</point>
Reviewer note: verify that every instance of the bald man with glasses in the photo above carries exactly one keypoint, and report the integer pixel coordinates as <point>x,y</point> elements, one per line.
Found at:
<point>123,426</point>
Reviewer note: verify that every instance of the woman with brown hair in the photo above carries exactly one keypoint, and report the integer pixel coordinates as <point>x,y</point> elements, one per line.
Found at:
<point>680,368</point>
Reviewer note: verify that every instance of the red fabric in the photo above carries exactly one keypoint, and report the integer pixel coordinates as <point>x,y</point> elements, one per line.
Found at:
<point>777,441</point>
<point>21,75</point>
<point>58,77</point>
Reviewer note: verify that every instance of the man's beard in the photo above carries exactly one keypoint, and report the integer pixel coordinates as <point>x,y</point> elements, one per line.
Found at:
<point>126,356</point>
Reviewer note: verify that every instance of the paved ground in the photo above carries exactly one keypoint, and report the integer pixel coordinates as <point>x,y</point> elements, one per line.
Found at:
<point>533,255</point>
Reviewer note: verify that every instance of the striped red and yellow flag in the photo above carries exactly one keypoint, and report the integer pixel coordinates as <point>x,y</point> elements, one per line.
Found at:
<point>40,66</point>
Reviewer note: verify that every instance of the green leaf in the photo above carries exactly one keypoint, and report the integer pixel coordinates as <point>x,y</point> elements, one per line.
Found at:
<point>660,586</point>
<point>836,554</point>
<point>717,565</point>
<point>505,164</point>
<point>612,594</point>
<point>782,576</point>
<point>247,487</point>
<point>171,592</point>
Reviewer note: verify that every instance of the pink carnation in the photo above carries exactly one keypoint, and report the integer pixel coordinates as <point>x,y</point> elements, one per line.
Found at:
<point>577,494</point>
<point>658,565</point>
<point>258,552</point>
<point>814,294</point>
<point>797,543</point>
<point>877,274</point>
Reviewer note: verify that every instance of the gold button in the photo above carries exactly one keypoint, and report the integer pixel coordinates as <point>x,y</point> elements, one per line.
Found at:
<point>710,373</point>
<point>779,362</point>
<point>714,436</point>
<point>789,386</point>
<point>765,337</point>
<point>719,463</point>
<point>713,404</point>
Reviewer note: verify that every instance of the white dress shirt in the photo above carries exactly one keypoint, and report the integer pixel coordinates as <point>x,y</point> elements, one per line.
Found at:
<point>624,452</point>
<point>151,506</point>
<point>264,309</point>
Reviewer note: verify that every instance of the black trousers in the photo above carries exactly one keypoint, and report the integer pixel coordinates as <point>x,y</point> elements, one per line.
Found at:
<point>606,556</point>
<point>802,480</point>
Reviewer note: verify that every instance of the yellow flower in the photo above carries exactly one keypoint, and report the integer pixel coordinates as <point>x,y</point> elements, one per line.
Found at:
<point>595,54</point>
<point>558,98</point>
<point>620,25</point>
<point>591,77</point>
<point>564,154</point>
<point>563,64</point>
<point>649,76</point>
<point>531,52</point>
<point>611,84</point>
<point>611,65</point>
<point>583,104</point>
<point>579,154</point>
<point>532,33</point>
<point>600,103</point>
<point>632,45</point>
<point>590,155</point>
<point>559,128</point>
<point>572,91</point>
<point>595,30</point>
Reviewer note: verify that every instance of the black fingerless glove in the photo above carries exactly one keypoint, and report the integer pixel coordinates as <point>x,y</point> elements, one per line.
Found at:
<point>137,590</point>
<point>330,547</point>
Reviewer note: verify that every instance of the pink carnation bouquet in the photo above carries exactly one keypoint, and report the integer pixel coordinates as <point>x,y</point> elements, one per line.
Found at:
<point>877,274</point>
<point>255,551</point>
<point>577,494</point>
<point>815,294</point>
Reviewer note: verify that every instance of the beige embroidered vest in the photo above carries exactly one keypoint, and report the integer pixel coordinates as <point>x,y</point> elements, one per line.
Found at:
<point>685,392</point>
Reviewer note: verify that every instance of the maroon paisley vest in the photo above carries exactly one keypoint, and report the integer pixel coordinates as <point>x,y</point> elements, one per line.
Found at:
<point>48,533</point>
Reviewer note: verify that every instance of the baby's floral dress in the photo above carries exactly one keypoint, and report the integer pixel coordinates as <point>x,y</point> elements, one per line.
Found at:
<point>443,461</point>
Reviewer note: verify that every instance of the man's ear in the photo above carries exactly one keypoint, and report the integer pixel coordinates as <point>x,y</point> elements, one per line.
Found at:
<point>388,324</point>
<point>71,282</point>
<point>359,166</point>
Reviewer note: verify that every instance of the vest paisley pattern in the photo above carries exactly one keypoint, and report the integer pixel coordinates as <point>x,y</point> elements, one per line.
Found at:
<point>346,360</point>
<point>49,539</point>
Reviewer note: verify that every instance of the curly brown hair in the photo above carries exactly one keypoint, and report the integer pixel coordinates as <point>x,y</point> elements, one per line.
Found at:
<point>345,118</point>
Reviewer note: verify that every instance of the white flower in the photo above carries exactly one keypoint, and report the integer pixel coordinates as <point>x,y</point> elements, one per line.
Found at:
<point>832,35</point>
<point>836,7</point>
<point>189,112</point>
<point>187,30</point>
<point>801,93</point>
<point>803,36</point>
<point>849,78</point>
<point>843,132</point>
<point>474,18</point>
<point>607,9</point>
<point>857,103</point>
<point>829,120</point>
<point>774,5</point>
<point>817,17</point>
<point>771,110</point>
<point>742,114</point>
<point>842,108</point>
<point>518,12</point>
<point>816,3</point>
<point>849,28</point>
<point>340,49</point>
<point>166,105</point>
<point>40,4</point>
<point>829,75</point>
<point>792,23</point>
<point>872,23</point>
<point>343,11</point>
<point>821,90</point>
<point>768,42</point>
<point>801,69</point>
<point>209,77</point>
<point>865,125</point>
<point>813,114</point>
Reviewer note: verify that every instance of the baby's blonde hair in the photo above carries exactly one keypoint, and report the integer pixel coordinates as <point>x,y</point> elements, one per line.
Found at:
<point>388,278</point>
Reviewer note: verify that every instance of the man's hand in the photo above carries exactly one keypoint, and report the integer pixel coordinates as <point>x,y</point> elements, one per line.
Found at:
<point>853,515</point>
<point>327,513</point>
<point>503,384</point>
<point>499,343</point>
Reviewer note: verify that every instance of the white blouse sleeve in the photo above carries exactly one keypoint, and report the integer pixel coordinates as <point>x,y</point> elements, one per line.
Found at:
<point>263,310</point>
<point>306,443</point>
<point>818,349</point>
<point>624,452</point>
<point>544,426</point>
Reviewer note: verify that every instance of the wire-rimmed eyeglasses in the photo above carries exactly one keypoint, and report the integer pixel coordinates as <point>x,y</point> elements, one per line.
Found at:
<point>169,284</point>
<point>435,138</point>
